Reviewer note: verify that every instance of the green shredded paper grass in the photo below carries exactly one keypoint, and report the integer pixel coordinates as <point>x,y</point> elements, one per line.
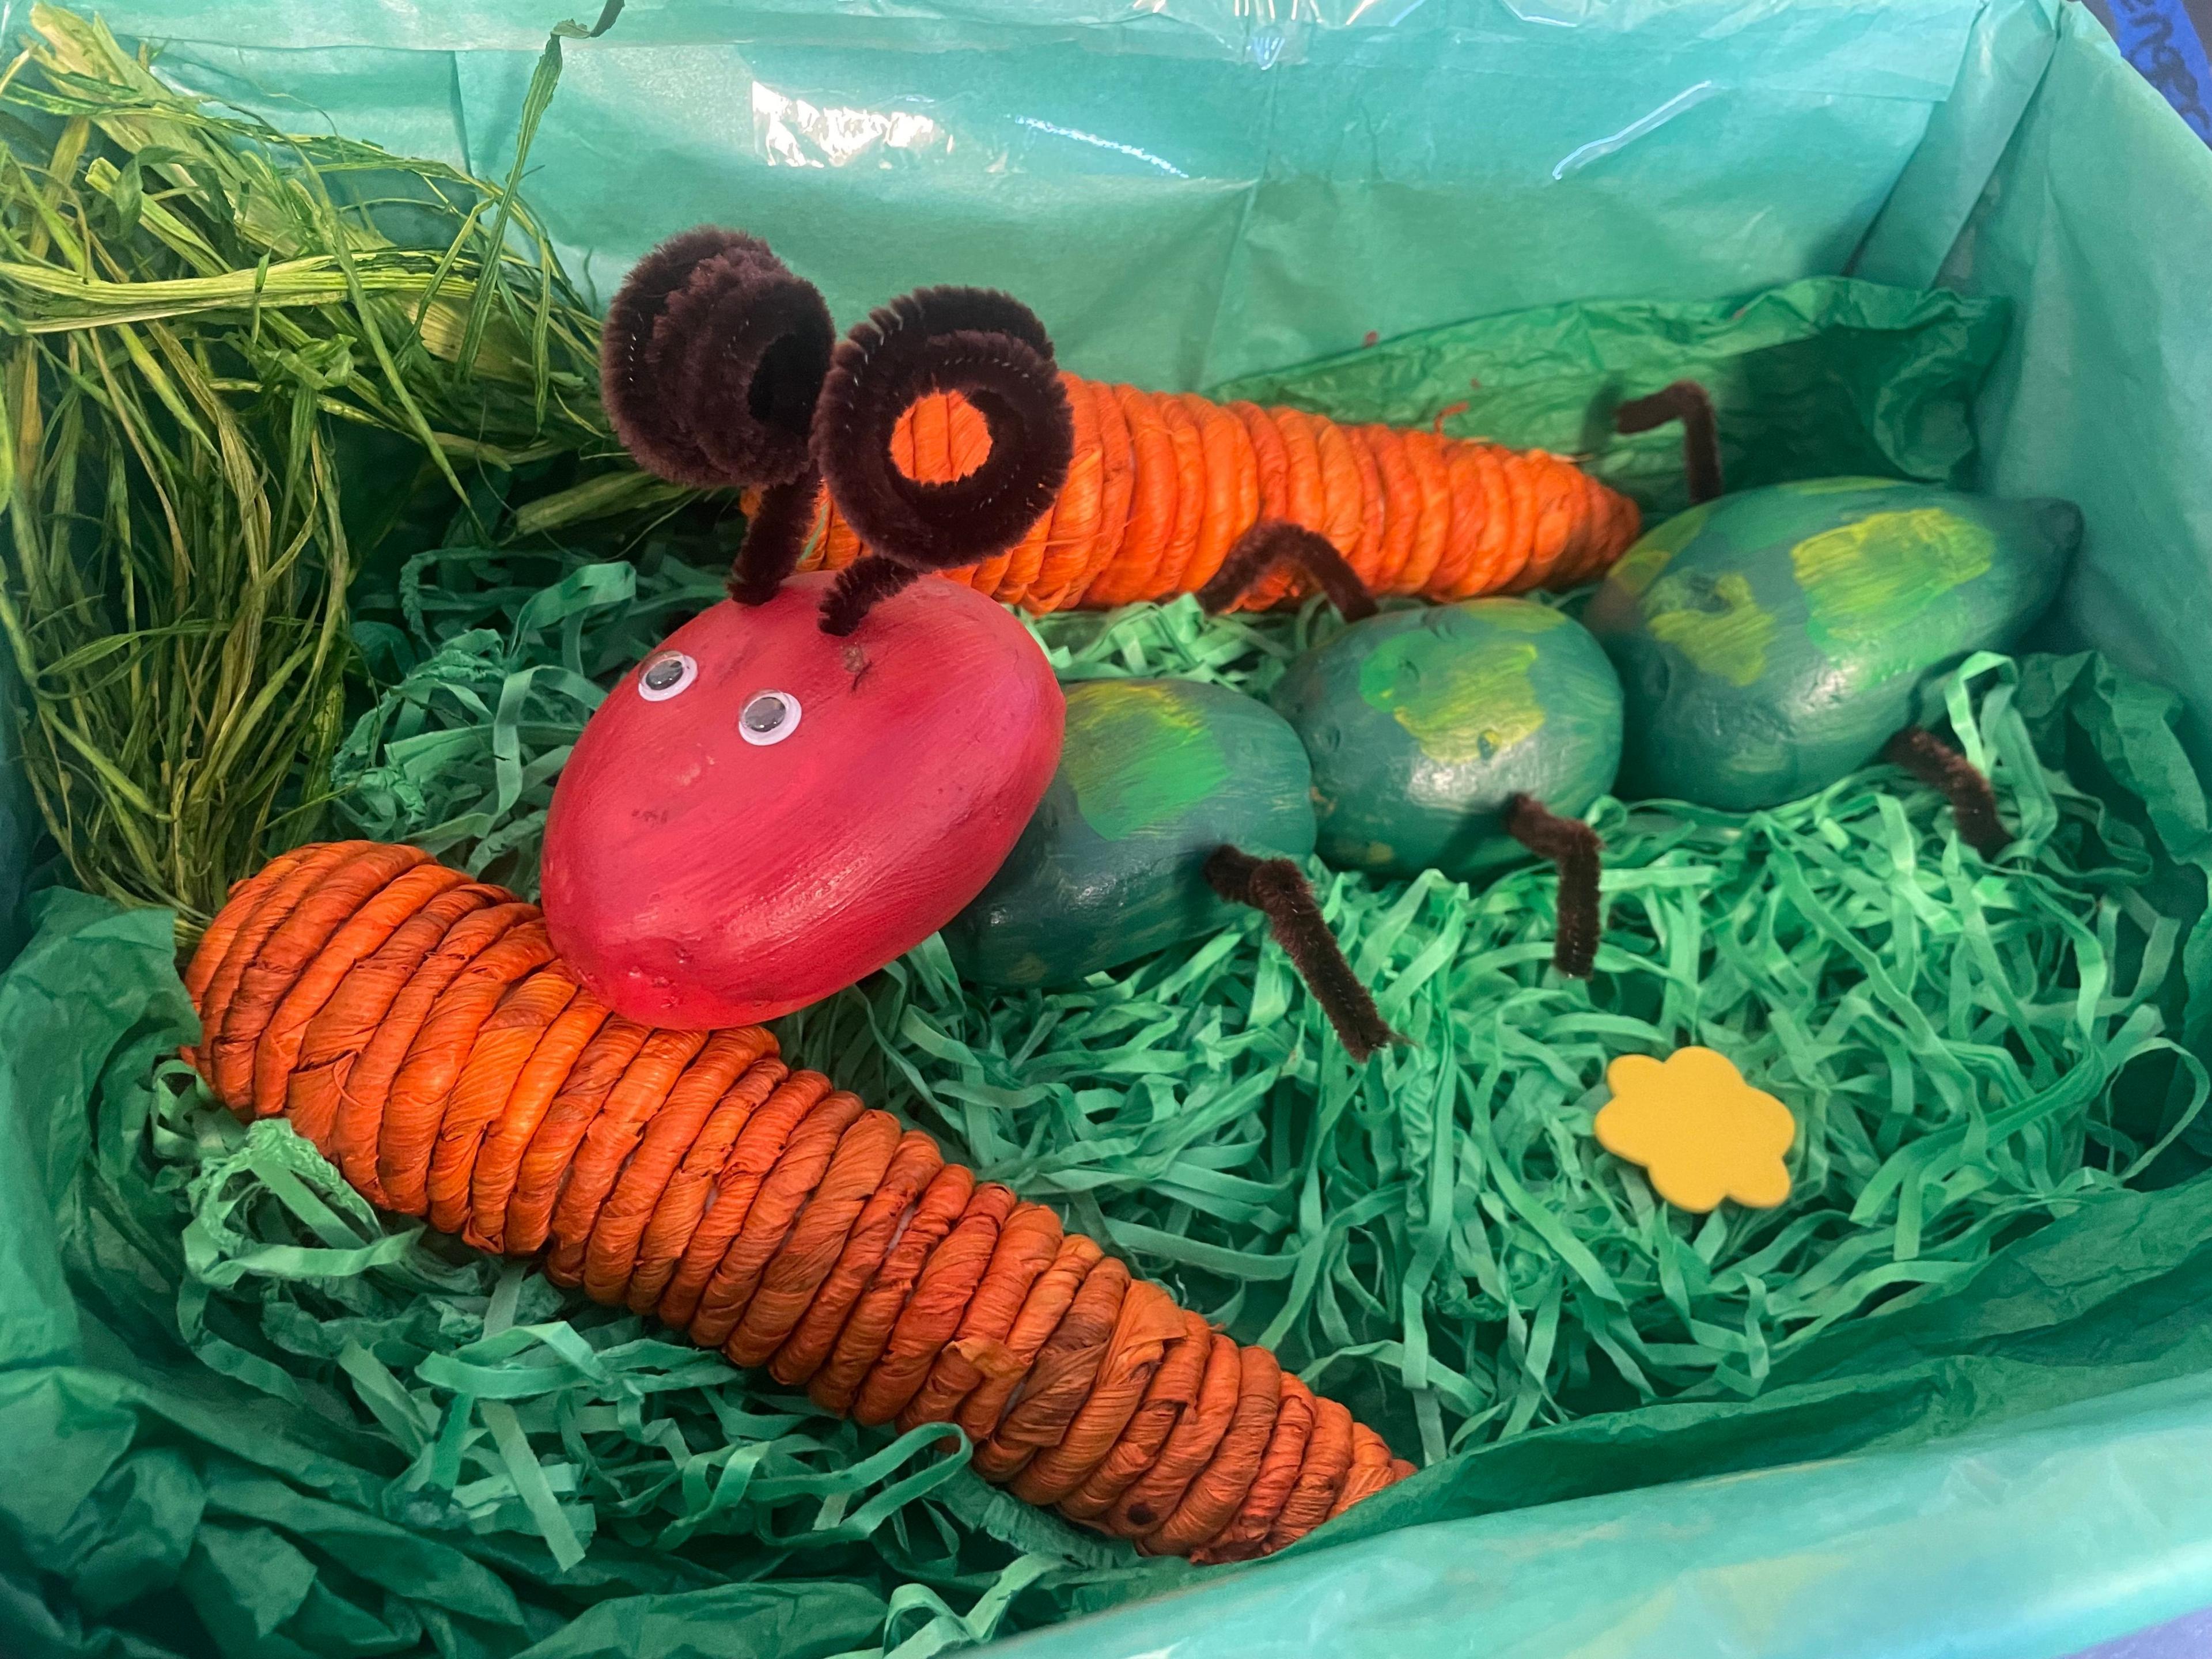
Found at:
<point>1971,1050</point>
<point>1437,1236</point>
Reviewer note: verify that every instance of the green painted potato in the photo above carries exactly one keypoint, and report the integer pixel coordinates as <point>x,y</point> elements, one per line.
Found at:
<point>1771,643</point>
<point>1154,775</point>
<point>1422,724</point>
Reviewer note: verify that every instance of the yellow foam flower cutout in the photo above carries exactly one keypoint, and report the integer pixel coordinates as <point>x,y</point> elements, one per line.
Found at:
<point>1700,1131</point>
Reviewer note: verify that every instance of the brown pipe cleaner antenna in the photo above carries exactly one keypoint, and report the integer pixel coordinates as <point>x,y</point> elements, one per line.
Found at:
<point>775,538</point>
<point>417,1027</point>
<point>1574,847</point>
<point>1272,542</point>
<point>1973,802</point>
<point>990,348</point>
<point>710,364</point>
<point>1693,406</point>
<point>1277,889</point>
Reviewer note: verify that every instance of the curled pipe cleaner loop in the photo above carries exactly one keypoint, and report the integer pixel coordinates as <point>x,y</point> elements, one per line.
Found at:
<point>711,360</point>
<point>992,351</point>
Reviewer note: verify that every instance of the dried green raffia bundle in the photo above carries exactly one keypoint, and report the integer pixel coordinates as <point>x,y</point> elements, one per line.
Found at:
<point>202,322</point>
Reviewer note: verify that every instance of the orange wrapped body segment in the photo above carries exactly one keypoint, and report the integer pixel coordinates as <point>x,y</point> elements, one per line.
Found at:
<point>1321,1470</point>
<point>544,1168</point>
<point>1006,1366</point>
<point>1155,485</point>
<point>811,1249</point>
<point>1399,506</point>
<point>867,1332</point>
<point>341,1121</point>
<point>237,911</point>
<point>1117,493</point>
<point>760,1145</point>
<point>623,1117</point>
<point>328,905</point>
<point>1188,447</point>
<point>1163,485</point>
<point>948,1279</point>
<point>1156,1492</point>
<point>1211,1500</point>
<point>281,1055</point>
<point>264,911</point>
<point>1060,1380</point>
<point>504,1046</point>
<point>391,1044</point>
<point>417,1027</point>
<point>1171,1392</point>
<point>799,1170</point>
<point>690,1190</point>
<point>1026,1246</point>
<point>506,1139</point>
<point>611,1259</point>
<point>914,1165</point>
<point>1247,1534</point>
<point>424,1089</point>
<point>1072,526</point>
<point>1148,1321</point>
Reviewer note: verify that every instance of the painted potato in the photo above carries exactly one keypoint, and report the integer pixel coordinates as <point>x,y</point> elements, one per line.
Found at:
<point>1421,725</point>
<point>1153,776</point>
<point>762,813</point>
<point>1772,642</point>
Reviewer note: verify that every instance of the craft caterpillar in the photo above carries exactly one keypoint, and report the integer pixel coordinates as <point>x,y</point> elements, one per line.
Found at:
<point>1163,485</point>
<point>1770,642</point>
<point>715,356</point>
<point>690,883</point>
<point>418,1028</point>
<point>809,780</point>
<point>1403,745</point>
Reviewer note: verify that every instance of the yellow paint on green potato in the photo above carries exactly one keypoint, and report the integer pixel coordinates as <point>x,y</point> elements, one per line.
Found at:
<point>1728,641</point>
<point>1136,756</point>
<point>1642,564</point>
<point>1362,856</point>
<point>1460,705</point>
<point>1517,615</point>
<point>1841,486</point>
<point>1862,581</point>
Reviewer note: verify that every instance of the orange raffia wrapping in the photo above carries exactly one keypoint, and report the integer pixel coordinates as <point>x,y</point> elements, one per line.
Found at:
<point>1164,482</point>
<point>415,1026</point>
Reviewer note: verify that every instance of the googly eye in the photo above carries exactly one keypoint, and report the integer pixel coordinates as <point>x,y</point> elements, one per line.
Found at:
<point>666,676</point>
<point>769,717</point>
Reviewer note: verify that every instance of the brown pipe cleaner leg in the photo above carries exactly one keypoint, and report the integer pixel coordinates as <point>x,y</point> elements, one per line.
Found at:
<point>1690,404</point>
<point>1277,888</point>
<point>1574,847</point>
<point>1267,544</point>
<point>1973,803</point>
<point>860,586</point>
<point>774,538</point>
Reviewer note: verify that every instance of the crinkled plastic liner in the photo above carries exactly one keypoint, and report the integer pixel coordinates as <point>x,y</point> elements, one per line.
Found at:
<point>1828,1560</point>
<point>1350,186</point>
<point>1187,192</point>
<point>496,661</point>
